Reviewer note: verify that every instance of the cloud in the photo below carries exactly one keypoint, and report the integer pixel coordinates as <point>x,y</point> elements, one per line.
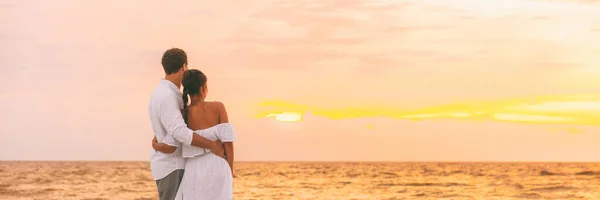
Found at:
<point>568,129</point>
<point>404,28</point>
<point>291,35</point>
<point>283,6</point>
<point>529,118</point>
<point>7,5</point>
<point>541,18</point>
<point>561,109</point>
<point>202,12</point>
<point>593,2</point>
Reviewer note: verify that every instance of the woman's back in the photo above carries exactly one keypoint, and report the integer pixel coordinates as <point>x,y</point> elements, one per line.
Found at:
<point>205,115</point>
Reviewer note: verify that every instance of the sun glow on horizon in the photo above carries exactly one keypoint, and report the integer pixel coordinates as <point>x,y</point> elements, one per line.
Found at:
<point>565,109</point>
<point>286,116</point>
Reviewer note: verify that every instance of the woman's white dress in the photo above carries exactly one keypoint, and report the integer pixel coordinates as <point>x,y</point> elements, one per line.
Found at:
<point>207,176</point>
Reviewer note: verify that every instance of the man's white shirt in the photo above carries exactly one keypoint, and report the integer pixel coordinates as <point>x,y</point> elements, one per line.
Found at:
<point>169,127</point>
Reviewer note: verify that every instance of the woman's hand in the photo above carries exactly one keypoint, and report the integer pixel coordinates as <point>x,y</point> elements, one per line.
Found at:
<point>163,148</point>
<point>154,143</point>
<point>154,140</point>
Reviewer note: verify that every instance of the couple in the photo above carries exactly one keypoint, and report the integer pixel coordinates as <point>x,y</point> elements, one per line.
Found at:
<point>206,154</point>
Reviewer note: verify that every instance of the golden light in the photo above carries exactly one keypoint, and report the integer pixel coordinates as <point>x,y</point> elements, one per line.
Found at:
<point>287,116</point>
<point>591,106</point>
<point>581,109</point>
<point>532,118</point>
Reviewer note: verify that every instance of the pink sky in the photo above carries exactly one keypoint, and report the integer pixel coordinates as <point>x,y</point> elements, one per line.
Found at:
<point>428,80</point>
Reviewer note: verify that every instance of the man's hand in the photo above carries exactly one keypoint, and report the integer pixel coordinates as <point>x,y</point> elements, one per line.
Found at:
<point>218,149</point>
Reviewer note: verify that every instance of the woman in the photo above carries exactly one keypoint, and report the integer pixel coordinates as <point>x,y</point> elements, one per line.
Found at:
<point>206,176</point>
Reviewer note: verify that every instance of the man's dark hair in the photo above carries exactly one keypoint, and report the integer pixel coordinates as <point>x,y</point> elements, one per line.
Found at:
<point>173,60</point>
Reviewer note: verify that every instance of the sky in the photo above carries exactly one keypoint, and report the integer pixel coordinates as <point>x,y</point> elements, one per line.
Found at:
<point>327,80</point>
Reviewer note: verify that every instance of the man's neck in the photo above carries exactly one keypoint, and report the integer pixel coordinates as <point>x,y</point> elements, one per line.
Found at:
<point>173,80</point>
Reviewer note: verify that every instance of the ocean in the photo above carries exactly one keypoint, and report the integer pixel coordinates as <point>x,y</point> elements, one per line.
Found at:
<point>258,180</point>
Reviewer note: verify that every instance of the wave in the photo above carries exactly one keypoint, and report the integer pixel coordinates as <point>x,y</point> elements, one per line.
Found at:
<point>144,198</point>
<point>388,174</point>
<point>456,196</point>
<point>345,182</point>
<point>423,184</point>
<point>123,189</point>
<point>587,173</point>
<point>15,192</point>
<point>529,195</point>
<point>582,173</point>
<point>420,195</point>
<point>552,189</point>
<point>548,173</point>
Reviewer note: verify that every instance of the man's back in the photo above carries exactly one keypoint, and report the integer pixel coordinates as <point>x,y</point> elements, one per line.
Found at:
<point>163,164</point>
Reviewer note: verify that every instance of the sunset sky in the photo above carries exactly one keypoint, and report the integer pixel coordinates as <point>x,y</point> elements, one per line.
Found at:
<point>326,80</point>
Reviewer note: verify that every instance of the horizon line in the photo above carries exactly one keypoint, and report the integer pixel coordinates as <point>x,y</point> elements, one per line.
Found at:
<point>300,161</point>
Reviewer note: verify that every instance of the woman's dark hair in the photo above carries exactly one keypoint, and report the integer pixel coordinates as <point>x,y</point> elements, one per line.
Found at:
<point>193,80</point>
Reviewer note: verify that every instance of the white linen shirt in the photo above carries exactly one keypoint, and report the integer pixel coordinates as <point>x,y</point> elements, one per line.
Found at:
<point>165,115</point>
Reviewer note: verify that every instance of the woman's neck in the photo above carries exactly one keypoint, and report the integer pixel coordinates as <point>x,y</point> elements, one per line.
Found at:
<point>196,99</point>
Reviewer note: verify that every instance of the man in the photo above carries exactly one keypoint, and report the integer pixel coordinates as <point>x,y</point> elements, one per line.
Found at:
<point>165,115</point>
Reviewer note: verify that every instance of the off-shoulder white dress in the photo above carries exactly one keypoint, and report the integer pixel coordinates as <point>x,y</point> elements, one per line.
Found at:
<point>207,176</point>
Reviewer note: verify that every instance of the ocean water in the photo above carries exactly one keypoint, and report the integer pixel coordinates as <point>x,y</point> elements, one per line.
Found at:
<point>132,180</point>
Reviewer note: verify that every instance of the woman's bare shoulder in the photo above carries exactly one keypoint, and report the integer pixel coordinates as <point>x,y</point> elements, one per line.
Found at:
<point>216,104</point>
<point>219,109</point>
